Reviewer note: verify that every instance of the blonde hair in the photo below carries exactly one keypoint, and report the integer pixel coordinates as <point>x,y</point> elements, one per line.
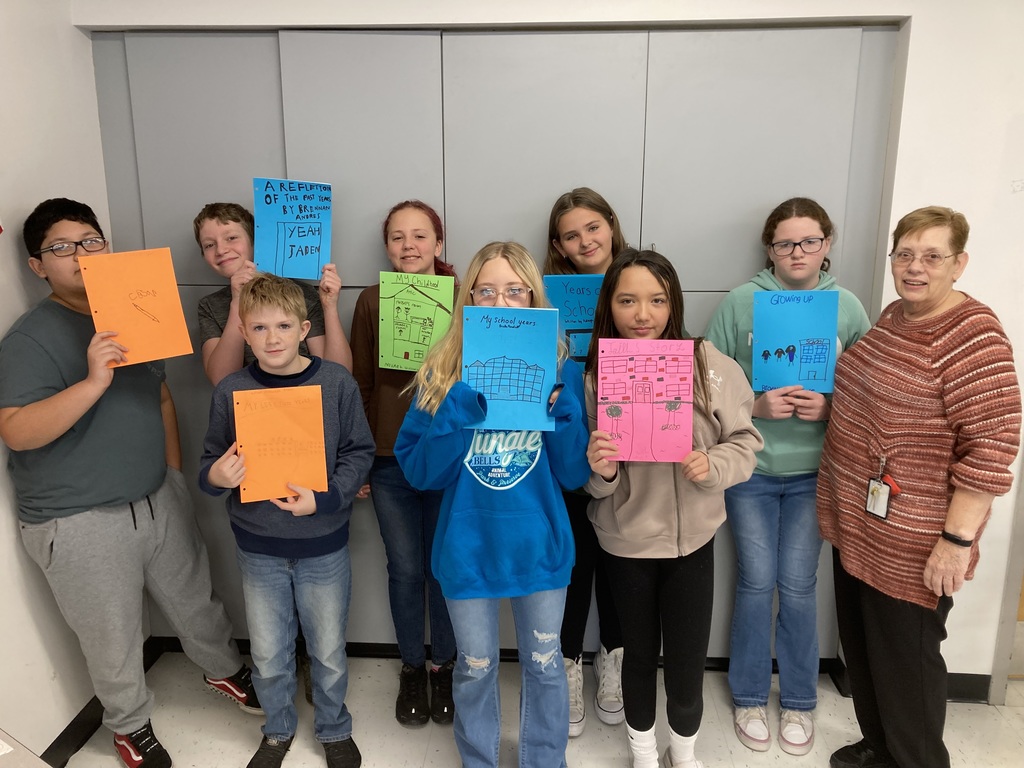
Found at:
<point>266,290</point>
<point>443,364</point>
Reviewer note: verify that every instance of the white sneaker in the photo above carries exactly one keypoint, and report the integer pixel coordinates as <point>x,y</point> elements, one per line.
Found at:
<point>666,762</point>
<point>796,732</point>
<point>608,701</point>
<point>577,709</point>
<point>752,728</point>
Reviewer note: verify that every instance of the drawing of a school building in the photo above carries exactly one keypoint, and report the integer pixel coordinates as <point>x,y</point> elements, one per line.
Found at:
<point>506,378</point>
<point>642,394</point>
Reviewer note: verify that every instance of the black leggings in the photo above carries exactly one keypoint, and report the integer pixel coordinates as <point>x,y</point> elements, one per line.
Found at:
<point>588,572</point>
<point>670,600</point>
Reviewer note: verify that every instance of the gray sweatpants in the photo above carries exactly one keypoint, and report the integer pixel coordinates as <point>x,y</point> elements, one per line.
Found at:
<point>99,562</point>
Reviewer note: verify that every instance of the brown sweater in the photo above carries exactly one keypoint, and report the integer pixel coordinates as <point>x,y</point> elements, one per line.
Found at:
<point>938,399</point>
<point>381,388</point>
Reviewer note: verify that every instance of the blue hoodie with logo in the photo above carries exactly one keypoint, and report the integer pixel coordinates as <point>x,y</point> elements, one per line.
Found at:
<point>503,529</point>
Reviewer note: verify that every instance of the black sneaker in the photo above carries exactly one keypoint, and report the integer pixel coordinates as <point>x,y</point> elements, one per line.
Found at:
<point>412,707</point>
<point>271,753</point>
<point>343,754</point>
<point>140,749</point>
<point>861,755</point>
<point>442,706</point>
<point>239,689</point>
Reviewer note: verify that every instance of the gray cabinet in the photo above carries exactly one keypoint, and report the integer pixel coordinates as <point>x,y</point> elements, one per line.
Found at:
<point>692,135</point>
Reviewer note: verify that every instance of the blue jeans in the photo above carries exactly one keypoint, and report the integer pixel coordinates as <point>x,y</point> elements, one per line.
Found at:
<point>775,526</point>
<point>317,591</point>
<point>407,519</point>
<point>544,699</point>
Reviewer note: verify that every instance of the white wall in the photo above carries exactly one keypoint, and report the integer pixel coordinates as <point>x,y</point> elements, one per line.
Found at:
<point>961,143</point>
<point>49,147</point>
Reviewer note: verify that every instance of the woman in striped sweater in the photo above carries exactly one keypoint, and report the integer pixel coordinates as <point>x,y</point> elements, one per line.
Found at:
<point>925,423</point>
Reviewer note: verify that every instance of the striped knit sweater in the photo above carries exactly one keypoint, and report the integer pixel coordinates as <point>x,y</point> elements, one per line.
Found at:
<point>938,400</point>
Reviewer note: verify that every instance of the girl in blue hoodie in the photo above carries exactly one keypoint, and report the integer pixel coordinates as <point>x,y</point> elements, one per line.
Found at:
<point>500,533</point>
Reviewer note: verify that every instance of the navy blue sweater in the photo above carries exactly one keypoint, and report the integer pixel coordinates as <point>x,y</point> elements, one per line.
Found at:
<point>259,526</point>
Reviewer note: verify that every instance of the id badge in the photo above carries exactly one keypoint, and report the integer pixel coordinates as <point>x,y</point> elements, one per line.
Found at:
<point>877,502</point>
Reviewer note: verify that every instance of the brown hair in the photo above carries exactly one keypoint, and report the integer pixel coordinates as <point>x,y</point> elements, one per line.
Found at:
<point>224,213</point>
<point>795,208</point>
<point>934,216</point>
<point>581,197</point>
<point>665,274</point>
<point>440,267</point>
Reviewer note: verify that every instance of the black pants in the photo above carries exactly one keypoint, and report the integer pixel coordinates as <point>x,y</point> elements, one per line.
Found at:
<point>664,605</point>
<point>897,673</point>
<point>588,574</point>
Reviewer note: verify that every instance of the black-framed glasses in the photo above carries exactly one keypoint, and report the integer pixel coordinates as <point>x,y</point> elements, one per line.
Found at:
<point>807,245</point>
<point>906,258</point>
<point>518,295</point>
<point>89,245</point>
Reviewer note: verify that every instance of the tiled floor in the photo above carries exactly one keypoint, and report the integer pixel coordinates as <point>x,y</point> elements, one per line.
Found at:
<point>203,730</point>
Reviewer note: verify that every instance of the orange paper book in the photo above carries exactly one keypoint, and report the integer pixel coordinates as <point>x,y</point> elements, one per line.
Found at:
<point>135,294</point>
<point>280,432</point>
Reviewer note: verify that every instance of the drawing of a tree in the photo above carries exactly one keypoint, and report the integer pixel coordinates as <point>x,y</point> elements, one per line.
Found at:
<point>672,406</point>
<point>614,412</point>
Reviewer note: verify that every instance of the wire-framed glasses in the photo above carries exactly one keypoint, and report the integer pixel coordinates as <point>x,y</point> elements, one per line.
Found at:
<point>515,295</point>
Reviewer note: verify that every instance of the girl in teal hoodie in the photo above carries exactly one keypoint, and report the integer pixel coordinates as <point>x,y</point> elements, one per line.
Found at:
<point>772,515</point>
<point>503,530</point>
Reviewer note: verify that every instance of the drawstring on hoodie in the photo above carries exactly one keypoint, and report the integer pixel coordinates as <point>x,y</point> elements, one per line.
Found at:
<point>131,506</point>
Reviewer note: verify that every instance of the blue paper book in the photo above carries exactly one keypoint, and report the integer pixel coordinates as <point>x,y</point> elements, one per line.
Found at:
<point>511,357</point>
<point>293,227</point>
<point>575,298</point>
<point>795,339</point>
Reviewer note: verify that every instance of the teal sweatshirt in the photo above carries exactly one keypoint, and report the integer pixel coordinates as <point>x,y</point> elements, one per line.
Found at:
<point>791,446</point>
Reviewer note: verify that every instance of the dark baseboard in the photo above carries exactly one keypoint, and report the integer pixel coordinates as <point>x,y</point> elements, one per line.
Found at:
<point>962,688</point>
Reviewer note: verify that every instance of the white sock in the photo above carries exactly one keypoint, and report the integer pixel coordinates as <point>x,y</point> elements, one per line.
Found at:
<point>643,745</point>
<point>680,749</point>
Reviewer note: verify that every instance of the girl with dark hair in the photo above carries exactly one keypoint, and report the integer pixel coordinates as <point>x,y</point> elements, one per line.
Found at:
<point>656,522</point>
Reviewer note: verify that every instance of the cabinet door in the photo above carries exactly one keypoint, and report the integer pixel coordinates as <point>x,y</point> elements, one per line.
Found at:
<point>737,122</point>
<point>362,111</point>
<point>207,116</point>
<point>528,116</point>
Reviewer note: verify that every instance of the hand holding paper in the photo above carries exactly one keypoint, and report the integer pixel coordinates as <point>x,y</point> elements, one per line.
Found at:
<point>810,406</point>
<point>776,403</point>
<point>229,470</point>
<point>242,275</point>
<point>600,448</point>
<point>330,285</point>
<point>103,354</point>
<point>301,504</point>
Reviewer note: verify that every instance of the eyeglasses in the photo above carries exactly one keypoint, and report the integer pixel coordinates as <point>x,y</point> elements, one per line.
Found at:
<point>906,258</point>
<point>89,245</point>
<point>518,295</point>
<point>807,245</point>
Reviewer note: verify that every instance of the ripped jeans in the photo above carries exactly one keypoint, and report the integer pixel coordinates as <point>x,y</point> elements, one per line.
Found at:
<point>544,700</point>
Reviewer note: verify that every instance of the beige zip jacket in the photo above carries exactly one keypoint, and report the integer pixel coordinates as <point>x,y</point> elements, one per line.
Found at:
<point>649,510</point>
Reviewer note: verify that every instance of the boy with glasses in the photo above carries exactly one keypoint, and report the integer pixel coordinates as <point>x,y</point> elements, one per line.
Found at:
<point>102,504</point>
